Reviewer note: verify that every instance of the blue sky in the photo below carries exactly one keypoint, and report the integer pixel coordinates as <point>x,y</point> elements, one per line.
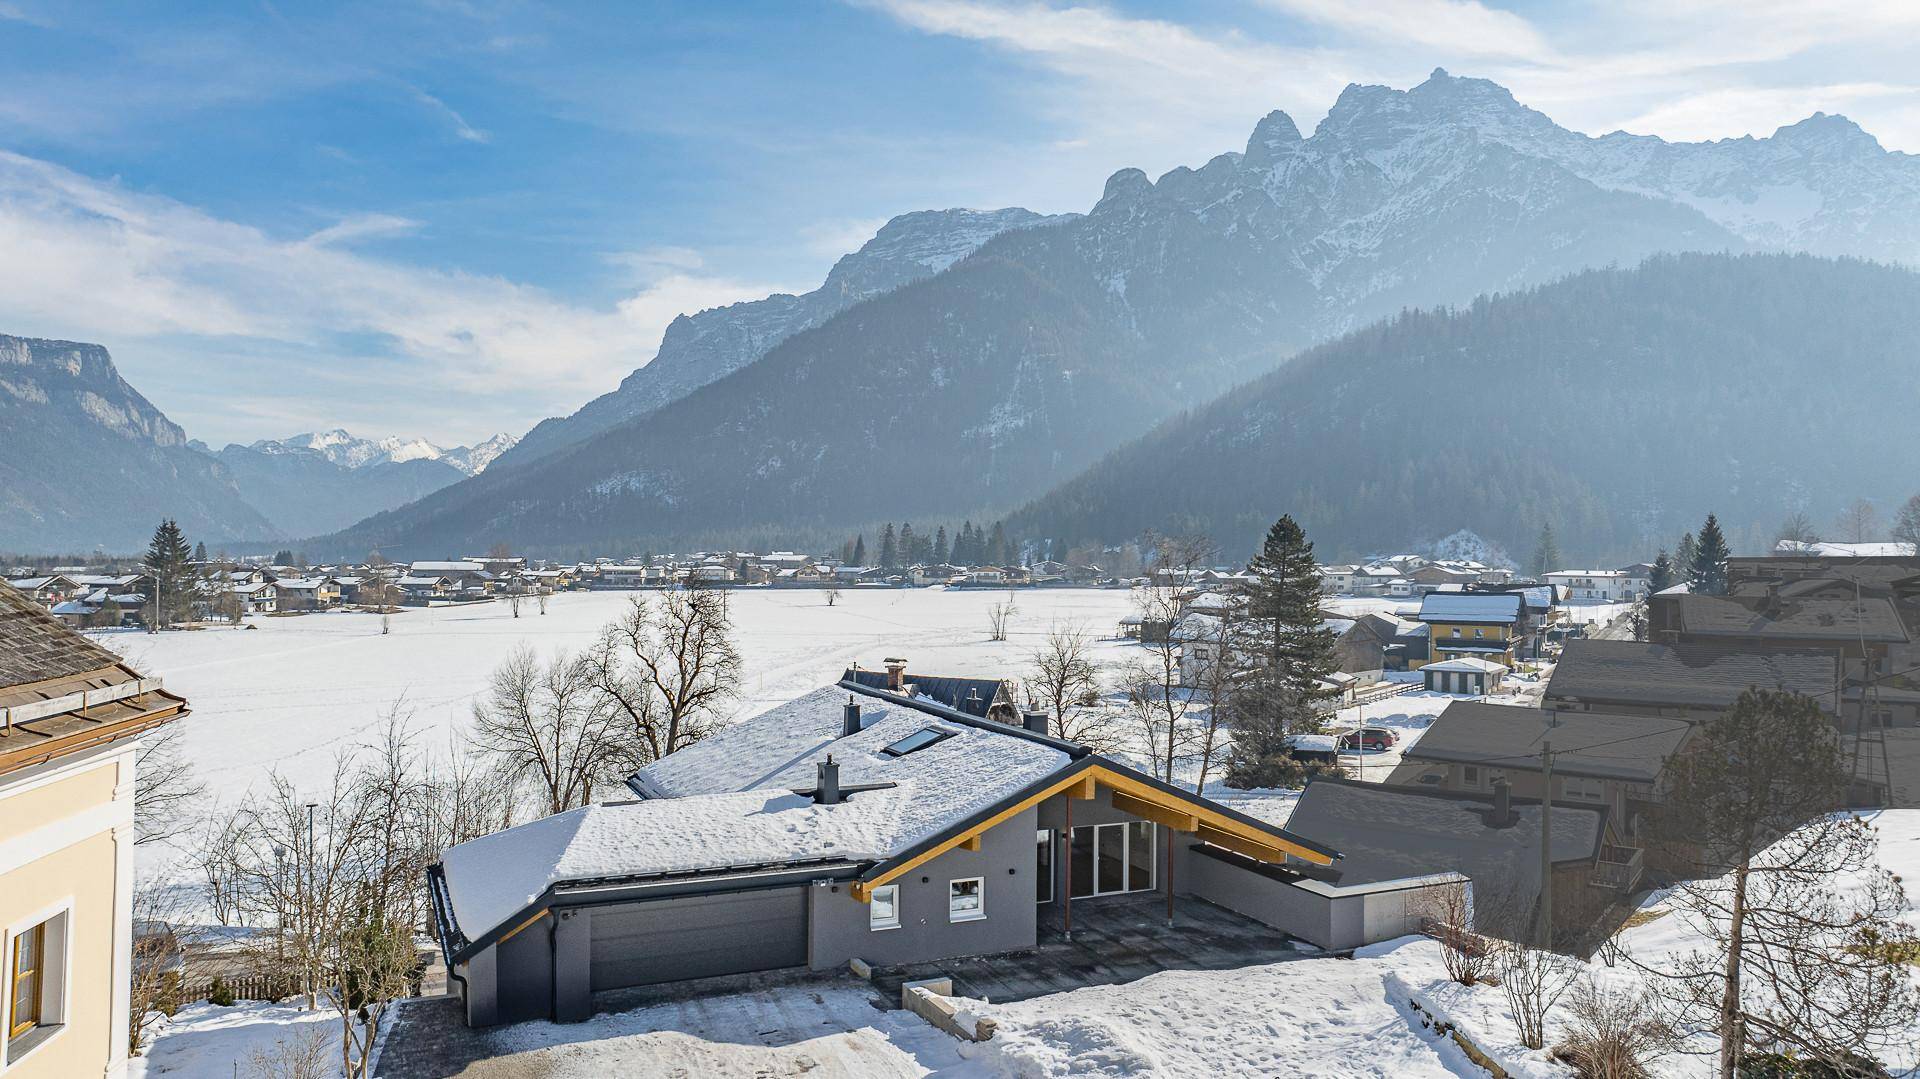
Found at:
<point>289,216</point>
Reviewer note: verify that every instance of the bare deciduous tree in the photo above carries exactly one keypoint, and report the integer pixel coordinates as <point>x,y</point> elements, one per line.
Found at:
<point>833,593</point>
<point>1446,915</point>
<point>514,596</point>
<point>998,616</point>
<point>1063,672</point>
<point>669,667</point>
<point>301,1054</point>
<point>154,974</point>
<point>549,726</point>
<point>541,595</point>
<point>1858,521</point>
<point>165,791</point>
<point>1533,980</point>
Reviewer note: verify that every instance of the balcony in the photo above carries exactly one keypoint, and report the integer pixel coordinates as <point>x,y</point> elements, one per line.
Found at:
<point>1619,868</point>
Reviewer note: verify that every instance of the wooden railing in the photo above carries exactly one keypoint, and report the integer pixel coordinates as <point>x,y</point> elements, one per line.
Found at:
<point>1619,868</point>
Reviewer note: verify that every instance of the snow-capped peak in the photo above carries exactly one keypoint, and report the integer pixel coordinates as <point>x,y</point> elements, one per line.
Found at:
<point>353,452</point>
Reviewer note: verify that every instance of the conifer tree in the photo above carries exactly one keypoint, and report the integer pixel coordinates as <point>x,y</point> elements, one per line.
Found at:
<point>1708,573</point>
<point>906,544</point>
<point>1661,578</point>
<point>200,552</point>
<point>999,552</point>
<point>860,549</point>
<point>1546,553</point>
<point>889,548</point>
<point>1288,653</point>
<point>168,563</point>
<point>1683,554</point>
<point>941,553</point>
<point>963,552</point>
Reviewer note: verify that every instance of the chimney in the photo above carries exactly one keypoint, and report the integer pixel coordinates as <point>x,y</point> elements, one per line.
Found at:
<point>826,791</point>
<point>896,674</point>
<point>1035,722</point>
<point>1502,815</point>
<point>850,718</point>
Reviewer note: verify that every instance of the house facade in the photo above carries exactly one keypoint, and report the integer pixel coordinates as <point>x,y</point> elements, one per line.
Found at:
<point>858,822</point>
<point>1479,625</point>
<point>71,714</point>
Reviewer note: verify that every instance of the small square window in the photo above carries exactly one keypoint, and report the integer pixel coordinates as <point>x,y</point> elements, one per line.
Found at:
<point>966,900</point>
<point>883,911</point>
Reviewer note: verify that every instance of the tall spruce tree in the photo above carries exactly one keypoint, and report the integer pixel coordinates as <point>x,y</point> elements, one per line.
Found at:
<point>907,540</point>
<point>169,563</point>
<point>1683,554</point>
<point>1708,572</point>
<point>1546,553</point>
<point>941,552</point>
<point>889,548</point>
<point>999,551</point>
<point>1288,653</point>
<point>1661,578</point>
<point>860,549</point>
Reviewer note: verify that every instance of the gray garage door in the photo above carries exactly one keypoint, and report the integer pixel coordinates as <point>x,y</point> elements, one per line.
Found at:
<point>699,937</point>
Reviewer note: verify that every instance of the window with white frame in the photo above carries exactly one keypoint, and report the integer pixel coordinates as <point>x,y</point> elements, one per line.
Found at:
<point>883,910</point>
<point>1470,775</point>
<point>34,987</point>
<point>1581,789</point>
<point>966,900</point>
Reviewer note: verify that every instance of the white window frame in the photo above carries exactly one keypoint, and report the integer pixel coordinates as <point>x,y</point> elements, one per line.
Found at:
<point>57,961</point>
<point>979,913</point>
<point>1470,776</point>
<point>1582,789</point>
<point>874,922</point>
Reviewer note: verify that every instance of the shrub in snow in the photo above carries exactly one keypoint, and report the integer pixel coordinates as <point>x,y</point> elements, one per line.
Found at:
<point>303,1054</point>
<point>1614,1033</point>
<point>220,994</point>
<point>1533,981</point>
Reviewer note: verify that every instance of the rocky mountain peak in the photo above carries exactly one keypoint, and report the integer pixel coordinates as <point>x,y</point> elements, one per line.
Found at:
<point>1828,134</point>
<point>1273,135</point>
<point>1123,188</point>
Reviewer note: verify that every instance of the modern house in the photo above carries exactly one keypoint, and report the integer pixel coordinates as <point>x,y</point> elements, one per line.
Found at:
<point>307,593</point>
<point>1615,762</point>
<point>1480,625</point>
<point>857,822</point>
<point>71,714</point>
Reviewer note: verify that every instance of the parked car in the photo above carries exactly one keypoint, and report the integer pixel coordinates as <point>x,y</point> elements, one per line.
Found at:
<point>1370,738</point>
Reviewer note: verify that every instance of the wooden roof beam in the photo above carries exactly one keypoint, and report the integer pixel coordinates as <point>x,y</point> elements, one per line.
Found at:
<point>1153,811</point>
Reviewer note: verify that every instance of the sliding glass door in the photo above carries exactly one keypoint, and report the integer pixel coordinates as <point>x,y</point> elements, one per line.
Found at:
<point>1109,859</point>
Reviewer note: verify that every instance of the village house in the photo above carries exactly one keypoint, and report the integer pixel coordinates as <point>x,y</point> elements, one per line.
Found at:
<point>46,590</point>
<point>1406,842</point>
<point>1614,762</point>
<point>71,714</point>
<point>1481,625</point>
<point>982,698</point>
<point>1337,579</point>
<point>1440,576</point>
<point>307,593</point>
<point>465,579</point>
<point>1595,585</point>
<point>422,589</point>
<point>1694,681</point>
<point>861,823</point>
<point>256,597</point>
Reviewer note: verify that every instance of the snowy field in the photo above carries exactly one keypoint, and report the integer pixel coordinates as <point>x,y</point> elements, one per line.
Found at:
<point>290,692</point>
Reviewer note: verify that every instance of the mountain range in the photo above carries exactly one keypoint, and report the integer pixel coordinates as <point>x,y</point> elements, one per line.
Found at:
<point>1619,406</point>
<point>314,483</point>
<point>992,380</point>
<point>964,363</point>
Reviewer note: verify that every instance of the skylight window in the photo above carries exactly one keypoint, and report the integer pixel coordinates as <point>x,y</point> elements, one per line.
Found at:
<point>916,741</point>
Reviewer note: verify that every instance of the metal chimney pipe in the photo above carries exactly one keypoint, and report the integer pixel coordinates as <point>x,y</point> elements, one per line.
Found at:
<point>826,789</point>
<point>1502,803</point>
<point>850,718</point>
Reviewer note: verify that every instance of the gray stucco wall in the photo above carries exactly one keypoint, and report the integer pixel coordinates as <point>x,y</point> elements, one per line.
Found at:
<point>840,930</point>
<point>1291,910</point>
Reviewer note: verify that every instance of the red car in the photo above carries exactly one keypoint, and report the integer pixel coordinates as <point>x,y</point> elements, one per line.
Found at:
<point>1369,738</point>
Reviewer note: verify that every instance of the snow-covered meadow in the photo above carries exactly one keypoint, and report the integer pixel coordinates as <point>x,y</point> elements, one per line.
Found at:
<point>289,692</point>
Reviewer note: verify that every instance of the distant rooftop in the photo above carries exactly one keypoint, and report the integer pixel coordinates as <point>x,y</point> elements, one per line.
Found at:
<point>1599,744</point>
<point>1697,674</point>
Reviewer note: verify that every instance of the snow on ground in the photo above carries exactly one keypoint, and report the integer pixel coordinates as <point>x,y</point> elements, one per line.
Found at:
<point>1309,1017</point>
<point>823,1032</point>
<point>292,691</point>
<point>203,1041</point>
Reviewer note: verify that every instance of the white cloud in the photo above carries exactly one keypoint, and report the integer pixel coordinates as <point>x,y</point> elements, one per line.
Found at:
<point>461,129</point>
<point>1461,27</point>
<point>94,261</point>
<point>1747,110</point>
<point>832,239</point>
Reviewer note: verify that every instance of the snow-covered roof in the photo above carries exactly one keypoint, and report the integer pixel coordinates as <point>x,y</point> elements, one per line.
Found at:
<point>1609,573</point>
<point>1469,607</point>
<point>1468,665</point>
<point>1825,549</point>
<point>411,581</point>
<point>447,567</point>
<point>727,802</point>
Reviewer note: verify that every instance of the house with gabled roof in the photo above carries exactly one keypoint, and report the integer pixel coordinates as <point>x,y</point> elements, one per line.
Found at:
<point>854,823</point>
<point>1693,680</point>
<point>71,716</point>
<point>1481,625</point>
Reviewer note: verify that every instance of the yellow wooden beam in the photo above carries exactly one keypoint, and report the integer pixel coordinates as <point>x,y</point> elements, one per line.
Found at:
<point>1178,820</point>
<point>1131,796</point>
<point>1256,851</point>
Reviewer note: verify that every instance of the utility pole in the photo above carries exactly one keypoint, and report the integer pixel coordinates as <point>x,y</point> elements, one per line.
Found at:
<point>1546,850</point>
